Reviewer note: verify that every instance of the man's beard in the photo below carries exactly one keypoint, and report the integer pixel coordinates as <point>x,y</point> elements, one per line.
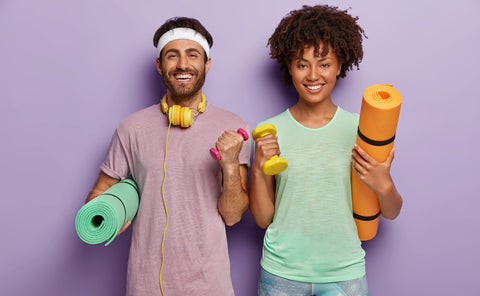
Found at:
<point>181,92</point>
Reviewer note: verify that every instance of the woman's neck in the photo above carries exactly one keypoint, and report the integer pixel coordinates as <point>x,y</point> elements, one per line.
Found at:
<point>313,115</point>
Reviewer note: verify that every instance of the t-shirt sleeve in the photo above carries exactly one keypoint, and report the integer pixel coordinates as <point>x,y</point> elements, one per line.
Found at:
<point>116,160</point>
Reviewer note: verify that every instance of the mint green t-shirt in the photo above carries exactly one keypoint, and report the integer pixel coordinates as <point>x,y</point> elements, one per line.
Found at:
<point>313,237</point>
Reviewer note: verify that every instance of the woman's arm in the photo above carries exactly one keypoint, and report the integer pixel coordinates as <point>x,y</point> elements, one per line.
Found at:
<point>262,189</point>
<point>377,177</point>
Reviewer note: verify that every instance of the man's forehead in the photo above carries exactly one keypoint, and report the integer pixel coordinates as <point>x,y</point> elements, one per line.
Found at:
<point>183,45</point>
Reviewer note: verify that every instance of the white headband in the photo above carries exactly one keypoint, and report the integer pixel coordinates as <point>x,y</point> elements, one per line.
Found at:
<point>182,33</point>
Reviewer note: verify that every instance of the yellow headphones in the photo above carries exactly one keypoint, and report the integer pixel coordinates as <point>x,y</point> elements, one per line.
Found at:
<point>178,115</point>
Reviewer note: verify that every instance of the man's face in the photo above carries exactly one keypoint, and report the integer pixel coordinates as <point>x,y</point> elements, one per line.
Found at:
<point>183,68</point>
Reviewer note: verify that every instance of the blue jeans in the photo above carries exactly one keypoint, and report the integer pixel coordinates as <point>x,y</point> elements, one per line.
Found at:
<point>272,285</point>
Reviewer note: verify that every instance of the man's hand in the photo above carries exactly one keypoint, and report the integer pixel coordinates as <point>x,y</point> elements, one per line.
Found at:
<point>103,183</point>
<point>229,145</point>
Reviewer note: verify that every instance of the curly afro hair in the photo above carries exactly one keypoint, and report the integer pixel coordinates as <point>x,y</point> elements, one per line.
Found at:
<point>317,25</point>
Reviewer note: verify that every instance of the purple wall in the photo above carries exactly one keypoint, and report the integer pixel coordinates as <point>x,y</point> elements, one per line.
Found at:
<point>70,72</point>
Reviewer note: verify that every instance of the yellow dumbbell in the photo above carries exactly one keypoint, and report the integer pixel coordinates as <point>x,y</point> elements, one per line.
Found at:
<point>275,164</point>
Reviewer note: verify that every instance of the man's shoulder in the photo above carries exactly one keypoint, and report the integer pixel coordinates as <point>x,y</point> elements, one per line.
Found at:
<point>147,112</point>
<point>140,117</point>
<point>223,114</point>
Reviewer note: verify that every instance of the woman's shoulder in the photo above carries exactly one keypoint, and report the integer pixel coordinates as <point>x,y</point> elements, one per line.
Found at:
<point>348,116</point>
<point>277,119</point>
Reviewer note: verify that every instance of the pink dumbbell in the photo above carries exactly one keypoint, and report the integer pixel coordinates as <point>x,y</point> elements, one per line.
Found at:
<point>216,154</point>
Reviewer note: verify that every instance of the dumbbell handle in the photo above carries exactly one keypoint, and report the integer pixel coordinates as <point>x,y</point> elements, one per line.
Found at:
<point>263,130</point>
<point>216,154</point>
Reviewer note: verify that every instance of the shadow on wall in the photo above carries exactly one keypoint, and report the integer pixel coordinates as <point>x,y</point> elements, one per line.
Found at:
<point>371,245</point>
<point>153,84</point>
<point>245,241</point>
<point>284,96</point>
<point>102,268</point>
<point>76,268</point>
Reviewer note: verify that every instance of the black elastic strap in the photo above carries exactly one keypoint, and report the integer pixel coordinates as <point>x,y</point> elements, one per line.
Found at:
<point>134,187</point>
<point>124,207</point>
<point>373,142</point>
<point>366,218</point>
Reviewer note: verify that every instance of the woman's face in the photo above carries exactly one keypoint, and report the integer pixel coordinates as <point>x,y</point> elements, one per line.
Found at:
<point>314,76</point>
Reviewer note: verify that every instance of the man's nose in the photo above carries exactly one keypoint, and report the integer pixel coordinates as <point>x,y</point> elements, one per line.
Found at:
<point>182,62</point>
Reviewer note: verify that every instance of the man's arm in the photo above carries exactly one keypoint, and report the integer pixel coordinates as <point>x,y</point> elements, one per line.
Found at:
<point>104,182</point>
<point>233,201</point>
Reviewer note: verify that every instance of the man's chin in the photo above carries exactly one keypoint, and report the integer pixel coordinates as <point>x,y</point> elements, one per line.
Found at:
<point>183,94</point>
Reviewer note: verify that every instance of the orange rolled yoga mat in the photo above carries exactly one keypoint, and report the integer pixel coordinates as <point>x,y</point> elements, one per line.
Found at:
<point>376,133</point>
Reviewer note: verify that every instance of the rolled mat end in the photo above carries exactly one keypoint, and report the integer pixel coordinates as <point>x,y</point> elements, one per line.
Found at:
<point>100,219</point>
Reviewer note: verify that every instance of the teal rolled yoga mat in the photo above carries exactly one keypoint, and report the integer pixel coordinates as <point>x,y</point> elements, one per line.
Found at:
<point>100,219</point>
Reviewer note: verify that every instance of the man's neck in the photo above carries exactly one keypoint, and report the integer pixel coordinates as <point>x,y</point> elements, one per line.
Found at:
<point>192,101</point>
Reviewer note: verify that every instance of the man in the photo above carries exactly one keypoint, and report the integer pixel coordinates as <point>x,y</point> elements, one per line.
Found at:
<point>179,243</point>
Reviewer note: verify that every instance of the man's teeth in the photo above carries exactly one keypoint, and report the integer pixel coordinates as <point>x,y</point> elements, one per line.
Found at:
<point>183,76</point>
<point>314,87</point>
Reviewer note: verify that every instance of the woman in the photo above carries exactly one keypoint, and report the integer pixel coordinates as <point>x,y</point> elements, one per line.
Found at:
<point>311,245</point>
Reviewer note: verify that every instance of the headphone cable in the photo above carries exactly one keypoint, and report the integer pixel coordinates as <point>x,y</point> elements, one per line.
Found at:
<point>165,205</point>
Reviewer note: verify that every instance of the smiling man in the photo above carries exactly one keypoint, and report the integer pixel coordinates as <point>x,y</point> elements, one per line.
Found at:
<point>179,244</point>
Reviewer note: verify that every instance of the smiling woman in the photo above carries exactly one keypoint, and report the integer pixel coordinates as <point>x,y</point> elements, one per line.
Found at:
<point>307,208</point>
<point>314,78</point>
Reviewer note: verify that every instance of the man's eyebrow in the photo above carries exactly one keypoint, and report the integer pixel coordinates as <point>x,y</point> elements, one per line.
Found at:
<point>192,49</point>
<point>174,50</point>
<point>188,50</point>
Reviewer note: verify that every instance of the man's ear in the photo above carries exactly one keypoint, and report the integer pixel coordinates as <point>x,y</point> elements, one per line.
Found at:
<point>208,64</point>
<point>159,66</point>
